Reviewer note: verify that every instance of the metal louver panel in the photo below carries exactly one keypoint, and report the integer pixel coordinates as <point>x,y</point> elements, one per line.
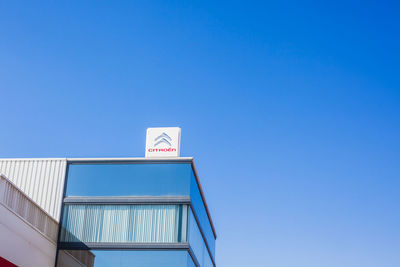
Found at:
<point>41,179</point>
<point>121,223</point>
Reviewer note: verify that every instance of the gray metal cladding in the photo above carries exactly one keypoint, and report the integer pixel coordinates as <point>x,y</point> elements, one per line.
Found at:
<point>41,179</point>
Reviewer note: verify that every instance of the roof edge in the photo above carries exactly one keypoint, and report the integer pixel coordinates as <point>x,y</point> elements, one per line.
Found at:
<point>188,159</point>
<point>203,197</point>
<point>135,159</point>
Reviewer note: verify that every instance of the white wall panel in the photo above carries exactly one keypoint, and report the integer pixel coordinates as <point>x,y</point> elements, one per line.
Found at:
<point>41,179</point>
<point>22,244</point>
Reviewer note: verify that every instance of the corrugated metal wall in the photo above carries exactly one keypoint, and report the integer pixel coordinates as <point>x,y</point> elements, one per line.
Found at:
<point>41,179</point>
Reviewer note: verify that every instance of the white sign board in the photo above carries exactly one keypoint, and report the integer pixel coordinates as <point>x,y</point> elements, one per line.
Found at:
<point>163,142</point>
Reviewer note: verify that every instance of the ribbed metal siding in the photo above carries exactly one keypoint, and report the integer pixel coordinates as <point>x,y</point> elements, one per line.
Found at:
<point>41,179</point>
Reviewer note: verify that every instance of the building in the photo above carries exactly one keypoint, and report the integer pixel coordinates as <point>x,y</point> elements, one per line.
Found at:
<point>104,212</point>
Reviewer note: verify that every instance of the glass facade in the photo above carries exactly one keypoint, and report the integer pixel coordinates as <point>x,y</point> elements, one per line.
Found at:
<point>179,232</point>
<point>122,223</point>
<point>197,242</point>
<point>200,211</point>
<point>127,179</point>
<point>124,258</point>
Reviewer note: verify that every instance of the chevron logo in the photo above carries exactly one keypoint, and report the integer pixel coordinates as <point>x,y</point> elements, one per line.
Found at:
<point>163,142</point>
<point>163,138</point>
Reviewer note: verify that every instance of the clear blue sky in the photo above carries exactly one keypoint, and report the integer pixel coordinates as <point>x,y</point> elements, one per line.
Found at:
<point>292,111</point>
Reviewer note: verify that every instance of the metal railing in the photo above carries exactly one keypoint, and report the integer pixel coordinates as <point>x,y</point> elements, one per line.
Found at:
<point>17,201</point>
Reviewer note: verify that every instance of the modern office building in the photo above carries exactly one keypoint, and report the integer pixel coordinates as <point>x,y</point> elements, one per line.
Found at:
<point>106,212</point>
<point>110,212</point>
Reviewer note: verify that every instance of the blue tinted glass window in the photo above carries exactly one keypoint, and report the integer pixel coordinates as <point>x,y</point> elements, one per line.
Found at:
<point>127,258</point>
<point>197,243</point>
<point>201,213</point>
<point>140,179</point>
<point>128,179</point>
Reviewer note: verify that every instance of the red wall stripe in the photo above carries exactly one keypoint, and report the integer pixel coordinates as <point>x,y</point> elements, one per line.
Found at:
<point>6,263</point>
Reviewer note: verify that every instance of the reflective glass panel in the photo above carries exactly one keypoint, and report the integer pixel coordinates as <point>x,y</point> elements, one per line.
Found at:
<point>128,179</point>
<point>95,223</point>
<point>200,210</point>
<point>140,179</point>
<point>127,258</point>
<point>197,243</point>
